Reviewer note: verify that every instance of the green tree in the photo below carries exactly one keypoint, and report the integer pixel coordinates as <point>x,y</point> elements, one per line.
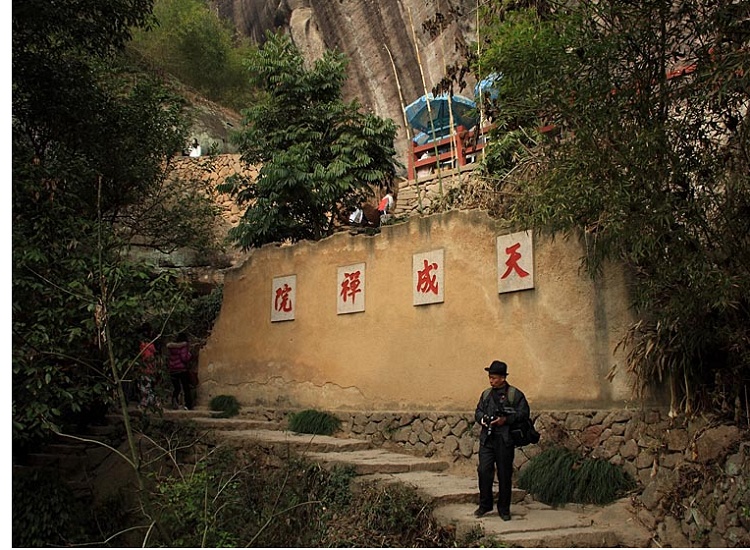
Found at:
<point>316,154</point>
<point>91,143</point>
<point>650,166</point>
<point>194,45</point>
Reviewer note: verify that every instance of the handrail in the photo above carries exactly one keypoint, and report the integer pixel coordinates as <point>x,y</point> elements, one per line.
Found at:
<point>467,145</point>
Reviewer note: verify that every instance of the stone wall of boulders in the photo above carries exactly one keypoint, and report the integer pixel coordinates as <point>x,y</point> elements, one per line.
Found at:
<point>697,493</point>
<point>424,196</point>
<point>428,194</point>
<point>211,171</point>
<point>425,434</point>
<point>692,475</point>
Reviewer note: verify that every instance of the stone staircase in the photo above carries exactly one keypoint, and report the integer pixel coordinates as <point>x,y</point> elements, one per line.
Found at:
<point>74,459</point>
<point>453,495</point>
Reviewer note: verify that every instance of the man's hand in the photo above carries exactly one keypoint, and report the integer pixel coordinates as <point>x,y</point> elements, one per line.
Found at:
<point>499,421</point>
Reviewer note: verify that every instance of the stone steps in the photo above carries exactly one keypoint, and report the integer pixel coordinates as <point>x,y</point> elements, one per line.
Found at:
<point>93,436</point>
<point>534,525</point>
<point>73,457</point>
<point>246,419</point>
<point>439,488</point>
<point>67,458</point>
<point>302,443</point>
<point>236,424</point>
<point>453,497</point>
<point>378,461</point>
<point>62,463</point>
<point>62,449</point>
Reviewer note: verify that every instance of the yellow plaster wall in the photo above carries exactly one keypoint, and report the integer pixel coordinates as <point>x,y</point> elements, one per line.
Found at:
<point>558,339</point>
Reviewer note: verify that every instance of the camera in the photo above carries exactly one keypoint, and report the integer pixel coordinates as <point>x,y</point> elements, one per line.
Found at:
<point>487,421</point>
<point>488,418</point>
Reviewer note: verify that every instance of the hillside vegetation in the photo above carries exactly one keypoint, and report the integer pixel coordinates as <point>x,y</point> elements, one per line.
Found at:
<point>190,43</point>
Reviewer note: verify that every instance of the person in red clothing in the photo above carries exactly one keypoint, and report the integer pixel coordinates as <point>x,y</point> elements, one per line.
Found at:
<point>385,206</point>
<point>386,203</point>
<point>147,372</point>
<point>179,359</point>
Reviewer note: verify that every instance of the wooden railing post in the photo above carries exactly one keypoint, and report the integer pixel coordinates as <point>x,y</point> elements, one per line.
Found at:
<point>410,162</point>
<point>460,152</point>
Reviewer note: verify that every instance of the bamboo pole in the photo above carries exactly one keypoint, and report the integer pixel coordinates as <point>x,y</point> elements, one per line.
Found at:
<point>407,129</point>
<point>480,129</point>
<point>424,87</point>
<point>451,121</point>
<point>400,92</point>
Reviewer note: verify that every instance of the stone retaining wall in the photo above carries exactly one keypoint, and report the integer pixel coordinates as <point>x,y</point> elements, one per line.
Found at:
<point>692,475</point>
<point>623,437</point>
<point>413,197</point>
<point>212,171</point>
<point>426,195</point>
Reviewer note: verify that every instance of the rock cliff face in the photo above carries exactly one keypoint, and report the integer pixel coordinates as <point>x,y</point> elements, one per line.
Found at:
<point>375,35</point>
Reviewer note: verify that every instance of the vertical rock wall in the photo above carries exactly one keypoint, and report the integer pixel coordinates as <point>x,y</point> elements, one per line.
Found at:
<point>366,30</point>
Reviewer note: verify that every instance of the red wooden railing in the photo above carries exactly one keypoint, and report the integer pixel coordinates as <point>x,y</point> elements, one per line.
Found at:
<point>468,144</point>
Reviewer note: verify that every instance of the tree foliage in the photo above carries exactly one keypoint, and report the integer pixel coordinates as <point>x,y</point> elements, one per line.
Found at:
<point>91,140</point>
<point>190,42</point>
<point>316,154</point>
<point>650,165</point>
<point>45,511</point>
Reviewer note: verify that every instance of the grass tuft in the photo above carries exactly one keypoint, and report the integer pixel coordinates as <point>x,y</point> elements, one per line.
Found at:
<point>311,421</point>
<point>226,406</point>
<point>559,475</point>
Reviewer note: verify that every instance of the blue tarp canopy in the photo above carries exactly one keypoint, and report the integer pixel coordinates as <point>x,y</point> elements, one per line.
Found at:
<point>488,86</point>
<point>418,115</point>
<point>421,138</point>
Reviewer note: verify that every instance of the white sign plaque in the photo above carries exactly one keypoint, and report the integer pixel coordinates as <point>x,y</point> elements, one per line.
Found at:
<point>515,262</point>
<point>350,289</point>
<point>283,298</point>
<point>427,277</point>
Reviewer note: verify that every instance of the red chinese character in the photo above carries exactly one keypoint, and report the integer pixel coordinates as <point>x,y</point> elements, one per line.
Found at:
<point>350,286</point>
<point>512,261</point>
<point>425,281</point>
<point>282,302</point>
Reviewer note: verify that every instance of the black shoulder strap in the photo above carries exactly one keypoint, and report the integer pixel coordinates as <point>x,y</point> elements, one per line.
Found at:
<point>485,395</point>
<point>512,394</point>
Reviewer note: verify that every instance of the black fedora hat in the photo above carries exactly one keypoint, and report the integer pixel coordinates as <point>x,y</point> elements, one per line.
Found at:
<point>498,367</point>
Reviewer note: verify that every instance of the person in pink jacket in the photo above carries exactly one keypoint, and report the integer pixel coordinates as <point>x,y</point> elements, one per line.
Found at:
<point>179,359</point>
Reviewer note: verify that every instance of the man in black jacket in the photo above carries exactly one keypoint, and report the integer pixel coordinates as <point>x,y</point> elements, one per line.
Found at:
<point>500,407</point>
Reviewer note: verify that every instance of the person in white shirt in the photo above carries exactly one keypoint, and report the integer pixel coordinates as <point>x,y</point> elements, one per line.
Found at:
<point>195,149</point>
<point>356,217</point>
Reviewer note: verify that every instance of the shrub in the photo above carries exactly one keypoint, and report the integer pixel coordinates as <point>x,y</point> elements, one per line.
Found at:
<point>559,475</point>
<point>227,406</point>
<point>205,310</point>
<point>386,515</point>
<point>45,510</point>
<point>198,47</point>
<point>335,485</point>
<point>311,421</point>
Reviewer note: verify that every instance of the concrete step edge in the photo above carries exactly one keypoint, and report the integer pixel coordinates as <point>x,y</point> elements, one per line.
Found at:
<point>51,460</point>
<point>377,461</point>
<point>571,537</point>
<point>236,423</point>
<point>301,443</point>
<point>437,488</point>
